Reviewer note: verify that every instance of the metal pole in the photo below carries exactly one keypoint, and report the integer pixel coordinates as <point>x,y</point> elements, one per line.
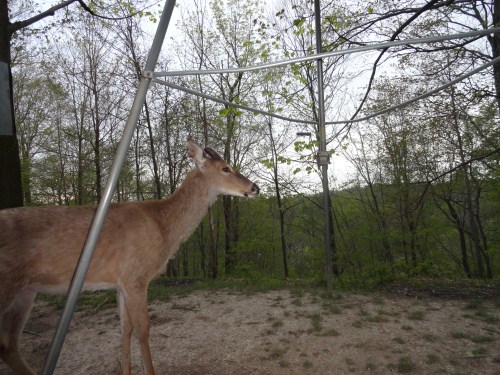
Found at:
<point>323,157</point>
<point>102,209</point>
<point>352,50</point>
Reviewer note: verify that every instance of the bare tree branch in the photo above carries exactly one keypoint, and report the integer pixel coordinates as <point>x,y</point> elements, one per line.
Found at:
<point>400,29</point>
<point>463,164</point>
<point>16,26</point>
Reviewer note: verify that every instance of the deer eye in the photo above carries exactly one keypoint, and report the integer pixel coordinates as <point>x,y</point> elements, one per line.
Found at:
<point>226,169</point>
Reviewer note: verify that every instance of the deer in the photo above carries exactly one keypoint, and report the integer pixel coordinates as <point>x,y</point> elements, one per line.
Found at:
<point>40,247</point>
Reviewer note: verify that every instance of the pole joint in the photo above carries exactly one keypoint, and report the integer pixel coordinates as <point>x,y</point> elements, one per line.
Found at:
<point>323,158</point>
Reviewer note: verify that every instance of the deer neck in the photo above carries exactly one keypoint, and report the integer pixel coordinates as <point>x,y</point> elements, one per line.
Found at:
<point>186,207</point>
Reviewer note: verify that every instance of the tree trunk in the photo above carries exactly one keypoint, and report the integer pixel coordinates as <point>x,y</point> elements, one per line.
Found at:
<point>214,268</point>
<point>495,47</point>
<point>333,240</point>
<point>156,175</point>
<point>26,175</point>
<point>473,227</point>
<point>230,255</point>
<point>138,190</point>
<point>227,201</point>
<point>461,235</point>
<point>10,166</point>
<point>281,209</point>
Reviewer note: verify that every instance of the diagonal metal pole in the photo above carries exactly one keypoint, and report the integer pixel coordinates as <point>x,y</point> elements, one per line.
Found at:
<point>102,209</point>
<point>323,157</point>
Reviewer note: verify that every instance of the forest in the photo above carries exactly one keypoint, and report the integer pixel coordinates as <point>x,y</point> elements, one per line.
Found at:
<point>414,191</point>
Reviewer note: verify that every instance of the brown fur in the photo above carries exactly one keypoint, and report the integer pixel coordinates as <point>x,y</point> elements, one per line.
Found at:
<point>40,247</point>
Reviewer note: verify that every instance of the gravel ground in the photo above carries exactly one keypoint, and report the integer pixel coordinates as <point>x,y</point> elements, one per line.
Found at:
<point>285,332</point>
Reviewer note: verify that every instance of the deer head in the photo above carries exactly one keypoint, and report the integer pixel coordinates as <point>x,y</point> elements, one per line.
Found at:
<point>224,178</point>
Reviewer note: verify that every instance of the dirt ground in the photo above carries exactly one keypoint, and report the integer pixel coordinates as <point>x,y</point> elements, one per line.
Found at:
<point>285,332</point>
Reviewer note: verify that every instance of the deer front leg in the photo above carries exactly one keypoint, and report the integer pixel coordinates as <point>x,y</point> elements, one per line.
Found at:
<point>137,307</point>
<point>11,326</point>
<point>126,332</point>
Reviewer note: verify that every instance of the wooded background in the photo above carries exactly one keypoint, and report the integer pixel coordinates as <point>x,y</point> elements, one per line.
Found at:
<point>417,194</point>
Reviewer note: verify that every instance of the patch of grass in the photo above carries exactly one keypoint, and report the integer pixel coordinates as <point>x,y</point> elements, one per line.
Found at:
<point>97,300</point>
<point>363,312</point>
<point>481,339</point>
<point>315,322</point>
<point>405,365</point>
<point>307,364</point>
<point>330,296</point>
<point>284,363</point>
<point>159,292</point>
<point>185,307</point>
<point>377,300</point>
<point>379,318</point>
<point>398,340</point>
<point>55,301</point>
<point>459,335</point>
<point>429,337</point>
<point>478,352</point>
<point>277,301</point>
<point>313,299</point>
<point>277,353</point>
<point>481,311</point>
<point>473,304</point>
<point>276,323</point>
<point>349,361</point>
<point>416,315</point>
<point>370,366</point>
<point>406,327</point>
<point>87,301</point>
<point>484,315</point>
<point>297,292</point>
<point>330,332</point>
<point>243,285</point>
<point>432,359</point>
<point>331,307</point>
<point>357,324</point>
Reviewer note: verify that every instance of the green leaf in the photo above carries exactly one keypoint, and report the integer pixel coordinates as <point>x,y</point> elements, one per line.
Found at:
<point>299,22</point>
<point>225,112</point>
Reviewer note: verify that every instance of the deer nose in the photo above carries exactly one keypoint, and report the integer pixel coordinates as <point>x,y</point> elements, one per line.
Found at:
<point>255,189</point>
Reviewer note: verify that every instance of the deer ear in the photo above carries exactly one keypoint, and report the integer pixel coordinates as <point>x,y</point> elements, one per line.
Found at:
<point>212,154</point>
<point>195,152</point>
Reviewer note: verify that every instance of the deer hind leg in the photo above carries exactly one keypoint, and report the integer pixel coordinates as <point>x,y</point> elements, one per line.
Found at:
<point>12,322</point>
<point>136,305</point>
<point>126,331</point>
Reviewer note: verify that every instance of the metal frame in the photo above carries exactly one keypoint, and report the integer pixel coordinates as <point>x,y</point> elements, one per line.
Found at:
<point>149,76</point>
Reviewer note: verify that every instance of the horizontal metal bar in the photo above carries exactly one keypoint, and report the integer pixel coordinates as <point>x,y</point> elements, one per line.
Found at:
<point>231,104</point>
<point>420,97</point>
<point>384,45</point>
